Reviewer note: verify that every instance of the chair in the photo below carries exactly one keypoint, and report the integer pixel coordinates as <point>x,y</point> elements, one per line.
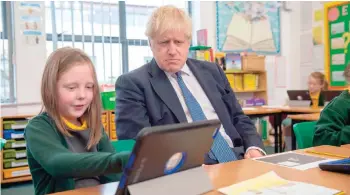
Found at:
<point>123,145</point>
<point>304,133</point>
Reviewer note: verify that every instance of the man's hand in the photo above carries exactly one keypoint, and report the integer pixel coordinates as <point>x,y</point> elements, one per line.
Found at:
<point>253,153</point>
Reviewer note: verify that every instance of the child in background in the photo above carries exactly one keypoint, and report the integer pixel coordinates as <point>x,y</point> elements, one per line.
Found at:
<point>67,147</point>
<point>333,127</point>
<point>316,84</point>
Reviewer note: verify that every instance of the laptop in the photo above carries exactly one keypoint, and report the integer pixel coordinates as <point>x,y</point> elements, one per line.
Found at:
<point>163,150</point>
<point>299,98</point>
<point>340,166</point>
<point>330,95</point>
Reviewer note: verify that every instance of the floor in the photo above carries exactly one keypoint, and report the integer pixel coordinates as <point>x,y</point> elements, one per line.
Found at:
<point>17,189</point>
<point>27,187</point>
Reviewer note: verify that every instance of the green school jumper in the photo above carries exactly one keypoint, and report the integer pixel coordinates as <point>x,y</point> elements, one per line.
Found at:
<point>333,127</point>
<point>54,167</point>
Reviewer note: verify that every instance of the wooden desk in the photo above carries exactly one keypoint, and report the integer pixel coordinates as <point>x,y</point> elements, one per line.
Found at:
<point>297,110</point>
<point>229,173</point>
<point>277,113</point>
<point>274,112</point>
<point>305,117</point>
<point>346,146</point>
<point>288,109</point>
<point>260,110</point>
<point>248,169</point>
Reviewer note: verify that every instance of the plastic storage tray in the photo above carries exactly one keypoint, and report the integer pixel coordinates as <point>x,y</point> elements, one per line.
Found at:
<point>15,144</point>
<point>12,153</point>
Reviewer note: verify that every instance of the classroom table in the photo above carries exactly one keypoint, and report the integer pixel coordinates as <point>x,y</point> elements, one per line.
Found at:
<point>346,146</point>
<point>305,117</point>
<point>300,110</point>
<point>298,118</point>
<point>277,112</point>
<point>262,112</point>
<point>226,174</point>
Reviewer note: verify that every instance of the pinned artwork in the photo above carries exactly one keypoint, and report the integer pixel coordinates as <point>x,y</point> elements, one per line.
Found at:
<point>248,27</point>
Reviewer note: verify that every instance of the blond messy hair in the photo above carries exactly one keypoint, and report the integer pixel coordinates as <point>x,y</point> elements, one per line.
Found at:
<point>167,18</point>
<point>321,78</point>
<point>58,63</point>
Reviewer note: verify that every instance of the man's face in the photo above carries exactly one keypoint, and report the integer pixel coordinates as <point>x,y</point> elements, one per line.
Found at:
<point>170,50</point>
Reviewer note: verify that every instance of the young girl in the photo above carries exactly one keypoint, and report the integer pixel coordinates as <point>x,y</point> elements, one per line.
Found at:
<point>316,84</point>
<point>333,127</point>
<point>67,147</point>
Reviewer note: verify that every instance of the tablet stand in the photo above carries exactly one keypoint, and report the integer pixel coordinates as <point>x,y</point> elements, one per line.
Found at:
<point>188,182</point>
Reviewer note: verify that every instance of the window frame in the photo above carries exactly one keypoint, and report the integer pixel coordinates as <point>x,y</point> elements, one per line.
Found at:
<point>7,33</point>
<point>123,14</point>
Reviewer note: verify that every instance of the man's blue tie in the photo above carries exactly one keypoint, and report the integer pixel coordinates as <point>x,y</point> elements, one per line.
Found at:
<point>220,150</point>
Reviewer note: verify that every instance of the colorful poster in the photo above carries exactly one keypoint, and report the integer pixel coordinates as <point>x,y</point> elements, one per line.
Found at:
<point>30,7</point>
<point>248,26</point>
<point>337,39</point>
<point>31,22</point>
<point>318,15</point>
<point>317,35</point>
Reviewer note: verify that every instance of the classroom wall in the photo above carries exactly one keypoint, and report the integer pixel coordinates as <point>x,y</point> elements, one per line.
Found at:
<point>298,57</point>
<point>208,21</point>
<point>311,56</point>
<point>292,70</point>
<point>30,61</point>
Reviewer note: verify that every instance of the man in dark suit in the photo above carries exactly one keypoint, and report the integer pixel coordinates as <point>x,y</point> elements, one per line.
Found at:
<point>174,89</point>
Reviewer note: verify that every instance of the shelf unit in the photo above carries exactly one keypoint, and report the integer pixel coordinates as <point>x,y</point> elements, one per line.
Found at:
<point>252,65</point>
<point>22,173</point>
<point>112,126</point>
<point>19,172</point>
<point>260,92</point>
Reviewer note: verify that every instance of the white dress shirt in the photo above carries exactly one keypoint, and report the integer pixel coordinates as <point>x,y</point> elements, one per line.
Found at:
<point>197,91</point>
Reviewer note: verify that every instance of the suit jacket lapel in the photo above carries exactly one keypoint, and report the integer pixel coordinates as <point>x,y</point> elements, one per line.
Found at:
<point>208,84</point>
<point>165,91</point>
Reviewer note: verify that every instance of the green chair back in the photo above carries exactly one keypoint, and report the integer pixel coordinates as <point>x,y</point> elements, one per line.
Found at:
<point>123,145</point>
<point>304,133</point>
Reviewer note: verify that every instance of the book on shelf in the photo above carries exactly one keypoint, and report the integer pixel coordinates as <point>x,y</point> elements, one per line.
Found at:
<point>200,52</point>
<point>233,61</point>
<point>202,37</point>
<point>205,55</point>
<point>220,60</point>
<point>251,81</point>
<point>236,81</point>
<point>243,82</point>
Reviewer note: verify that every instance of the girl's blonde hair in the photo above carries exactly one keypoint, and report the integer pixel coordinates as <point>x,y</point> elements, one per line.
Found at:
<point>59,62</point>
<point>167,18</point>
<point>321,78</point>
